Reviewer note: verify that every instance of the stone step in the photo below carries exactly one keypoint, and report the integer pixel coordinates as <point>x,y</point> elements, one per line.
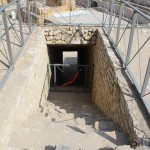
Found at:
<point>69,122</point>
<point>99,121</point>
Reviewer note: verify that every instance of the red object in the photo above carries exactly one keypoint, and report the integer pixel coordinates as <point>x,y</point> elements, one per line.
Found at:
<point>73,79</point>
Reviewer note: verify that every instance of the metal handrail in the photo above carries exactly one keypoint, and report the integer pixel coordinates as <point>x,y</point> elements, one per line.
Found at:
<point>137,10</point>
<point>8,5</point>
<point>126,61</point>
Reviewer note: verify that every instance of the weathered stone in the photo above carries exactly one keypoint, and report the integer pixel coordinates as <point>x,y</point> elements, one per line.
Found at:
<point>90,29</point>
<point>76,42</point>
<point>63,32</point>
<point>51,33</point>
<point>85,42</point>
<point>51,42</point>
<point>80,121</point>
<point>58,36</point>
<point>94,38</point>
<point>71,35</point>
<point>60,42</point>
<point>87,37</point>
<point>92,42</point>
<point>96,125</point>
<point>85,31</point>
<point>49,38</point>
<point>69,32</point>
<point>46,33</point>
<point>63,38</point>
<point>67,39</point>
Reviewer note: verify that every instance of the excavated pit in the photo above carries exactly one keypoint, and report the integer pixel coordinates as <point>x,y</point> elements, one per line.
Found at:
<point>80,55</point>
<point>99,117</point>
<point>93,72</point>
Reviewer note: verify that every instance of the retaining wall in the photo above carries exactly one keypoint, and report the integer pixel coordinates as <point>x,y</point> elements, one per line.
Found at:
<point>113,92</point>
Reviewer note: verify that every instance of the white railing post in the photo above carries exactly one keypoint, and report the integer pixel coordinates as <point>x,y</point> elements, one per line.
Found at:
<point>131,38</point>
<point>119,24</point>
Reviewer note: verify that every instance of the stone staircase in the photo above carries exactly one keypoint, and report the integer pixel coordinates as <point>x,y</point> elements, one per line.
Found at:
<point>68,121</point>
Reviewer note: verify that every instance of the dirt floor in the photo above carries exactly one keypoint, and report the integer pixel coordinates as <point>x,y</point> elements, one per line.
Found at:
<point>68,121</point>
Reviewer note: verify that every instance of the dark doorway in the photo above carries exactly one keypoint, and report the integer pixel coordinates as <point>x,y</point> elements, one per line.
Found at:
<point>94,4</point>
<point>70,68</point>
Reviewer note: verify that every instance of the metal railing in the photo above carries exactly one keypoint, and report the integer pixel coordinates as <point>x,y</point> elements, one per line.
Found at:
<point>131,46</point>
<point>15,29</point>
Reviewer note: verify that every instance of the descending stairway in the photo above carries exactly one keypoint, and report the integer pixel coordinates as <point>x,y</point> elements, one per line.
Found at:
<point>68,121</point>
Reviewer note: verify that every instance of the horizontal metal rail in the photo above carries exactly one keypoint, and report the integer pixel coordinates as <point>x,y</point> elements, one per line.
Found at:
<point>68,65</point>
<point>8,5</point>
<point>136,10</point>
<point>115,40</point>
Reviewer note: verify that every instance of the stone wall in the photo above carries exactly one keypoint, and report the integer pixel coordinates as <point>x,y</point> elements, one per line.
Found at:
<point>70,35</point>
<point>22,92</point>
<point>111,91</point>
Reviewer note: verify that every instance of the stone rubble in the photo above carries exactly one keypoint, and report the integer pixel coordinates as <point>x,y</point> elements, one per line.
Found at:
<point>71,35</point>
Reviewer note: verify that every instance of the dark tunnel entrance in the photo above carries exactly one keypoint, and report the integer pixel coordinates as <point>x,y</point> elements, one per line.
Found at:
<point>70,67</point>
<point>94,4</point>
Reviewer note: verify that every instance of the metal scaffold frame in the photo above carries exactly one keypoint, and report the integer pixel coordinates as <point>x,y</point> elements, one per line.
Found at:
<point>14,35</point>
<point>126,60</point>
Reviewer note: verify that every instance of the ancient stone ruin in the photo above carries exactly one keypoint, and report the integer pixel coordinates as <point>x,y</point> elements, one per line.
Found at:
<point>71,35</point>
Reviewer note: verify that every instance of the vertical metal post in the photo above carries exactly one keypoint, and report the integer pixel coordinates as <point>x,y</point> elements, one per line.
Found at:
<point>131,38</point>
<point>7,38</point>
<point>20,22</point>
<point>111,14</point>
<point>48,76</point>
<point>31,10</point>
<point>28,15</point>
<point>104,13</point>
<point>36,11</point>
<point>119,24</point>
<point>55,79</point>
<point>146,79</point>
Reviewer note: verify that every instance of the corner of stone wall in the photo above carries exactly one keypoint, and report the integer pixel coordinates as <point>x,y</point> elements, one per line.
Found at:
<point>45,90</point>
<point>113,93</point>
